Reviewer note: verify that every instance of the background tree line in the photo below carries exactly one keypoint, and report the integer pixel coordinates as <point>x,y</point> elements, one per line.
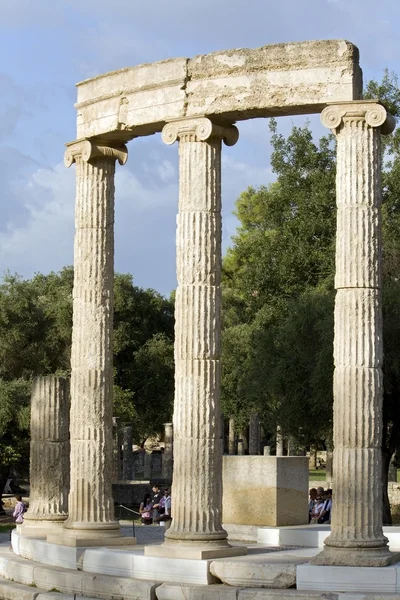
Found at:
<point>35,339</point>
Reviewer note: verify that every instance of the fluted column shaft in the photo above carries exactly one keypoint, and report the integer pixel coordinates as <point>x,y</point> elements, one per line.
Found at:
<point>49,450</point>
<point>197,493</point>
<point>167,462</point>
<point>90,501</point>
<point>356,535</point>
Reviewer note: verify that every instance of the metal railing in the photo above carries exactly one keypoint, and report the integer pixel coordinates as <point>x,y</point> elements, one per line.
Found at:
<point>131,511</point>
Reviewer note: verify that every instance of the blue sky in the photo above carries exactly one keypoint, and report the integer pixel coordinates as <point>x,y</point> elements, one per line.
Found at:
<point>46,46</point>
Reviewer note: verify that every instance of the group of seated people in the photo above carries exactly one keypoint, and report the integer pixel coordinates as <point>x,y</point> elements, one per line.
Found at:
<point>320,506</point>
<point>156,507</point>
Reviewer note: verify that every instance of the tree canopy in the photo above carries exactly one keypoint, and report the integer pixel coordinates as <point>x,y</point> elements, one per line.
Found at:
<point>35,339</point>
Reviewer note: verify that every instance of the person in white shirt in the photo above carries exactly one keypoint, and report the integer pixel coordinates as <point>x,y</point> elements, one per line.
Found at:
<point>167,504</point>
<point>316,511</point>
<point>325,514</point>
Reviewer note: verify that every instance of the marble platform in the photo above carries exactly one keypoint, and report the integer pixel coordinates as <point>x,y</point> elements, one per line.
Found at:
<point>312,536</point>
<point>277,570</point>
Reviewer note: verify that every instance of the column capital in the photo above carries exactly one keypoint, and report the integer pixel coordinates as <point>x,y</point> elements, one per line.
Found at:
<point>88,150</point>
<point>371,111</point>
<point>198,130</point>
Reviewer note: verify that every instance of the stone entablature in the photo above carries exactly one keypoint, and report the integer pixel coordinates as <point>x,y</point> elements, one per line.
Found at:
<point>232,85</point>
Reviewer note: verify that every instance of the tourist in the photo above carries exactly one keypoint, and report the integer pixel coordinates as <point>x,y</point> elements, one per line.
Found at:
<point>19,510</point>
<point>167,514</point>
<point>161,505</point>
<point>316,511</point>
<point>146,510</point>
<point>164,508</point>
<point>311,503</point>
<point>325,514</point>
<point>157,495</point>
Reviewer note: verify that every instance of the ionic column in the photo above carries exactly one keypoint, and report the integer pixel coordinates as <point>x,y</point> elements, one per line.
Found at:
<point>167,459</point>
<point>197,483</point>
<point>49,455</point>
<point>91,507</point>
<point>357,537</point>
<point>254,434</point>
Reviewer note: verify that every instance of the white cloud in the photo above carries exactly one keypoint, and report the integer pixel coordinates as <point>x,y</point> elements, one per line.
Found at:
<point>133,196</point>
<point>144,220</point>
<point>43,242</point>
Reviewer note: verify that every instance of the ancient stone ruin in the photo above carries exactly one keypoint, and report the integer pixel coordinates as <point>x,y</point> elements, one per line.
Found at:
<point>198,103</point>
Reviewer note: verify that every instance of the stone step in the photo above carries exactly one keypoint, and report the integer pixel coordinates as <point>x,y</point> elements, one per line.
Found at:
<point>11,590</point>
<point>177,591</point>
<point>34,576</point>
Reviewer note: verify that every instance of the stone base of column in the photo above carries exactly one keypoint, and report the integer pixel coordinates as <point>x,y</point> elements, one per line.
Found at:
<point>356,557</point>
<point>89,534</point>
<point>41,527</point>
<point>195,550</point>
<point>87,542</point>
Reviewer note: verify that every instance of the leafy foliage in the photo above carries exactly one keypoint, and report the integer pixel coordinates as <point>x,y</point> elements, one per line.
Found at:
<point>35,339</point>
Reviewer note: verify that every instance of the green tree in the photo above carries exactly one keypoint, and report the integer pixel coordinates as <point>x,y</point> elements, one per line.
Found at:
<point>154,391</point>
<point>35,339</point>
<point>14,425</point>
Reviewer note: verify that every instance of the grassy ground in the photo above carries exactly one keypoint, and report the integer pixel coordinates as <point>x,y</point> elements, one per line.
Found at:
<point>320,475</point>
<point>317,474</point>
<point>6,527</point>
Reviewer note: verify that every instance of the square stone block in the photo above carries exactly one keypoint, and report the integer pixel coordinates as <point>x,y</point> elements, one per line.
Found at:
<point>265,490</point>
<point>86,542</point>
<point>130,563</point>
<point>56,578</point>
<point>195,553</point>
<point>310,536</point>
<point>44,552</point>
<point>118,587</point>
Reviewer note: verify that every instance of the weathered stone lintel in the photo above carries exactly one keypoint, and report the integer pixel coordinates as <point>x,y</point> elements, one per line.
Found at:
<point>231,85</point>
